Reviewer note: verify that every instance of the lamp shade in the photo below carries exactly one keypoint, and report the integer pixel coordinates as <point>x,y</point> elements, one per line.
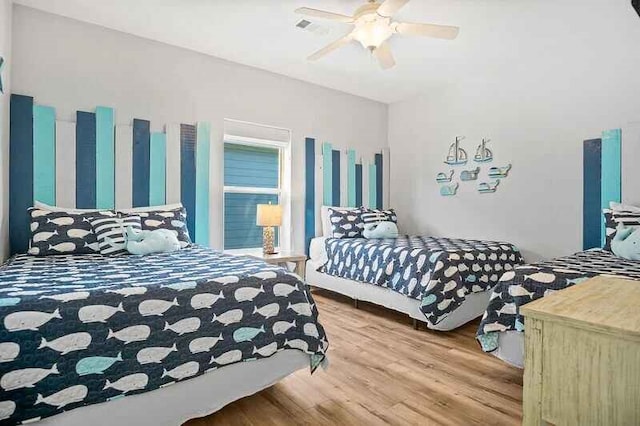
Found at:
<point>269,215</point>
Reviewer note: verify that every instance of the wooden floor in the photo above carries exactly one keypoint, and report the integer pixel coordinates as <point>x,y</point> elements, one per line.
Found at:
<point>382,371</point>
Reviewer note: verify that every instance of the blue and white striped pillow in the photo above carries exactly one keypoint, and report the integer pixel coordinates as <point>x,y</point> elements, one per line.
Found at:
<point>376,216</point>
<point>111,233</point>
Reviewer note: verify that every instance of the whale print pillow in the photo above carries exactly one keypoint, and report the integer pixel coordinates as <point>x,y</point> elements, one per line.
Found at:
<point>346,223</point>
<point>173,219</point>
<point>54,233</point>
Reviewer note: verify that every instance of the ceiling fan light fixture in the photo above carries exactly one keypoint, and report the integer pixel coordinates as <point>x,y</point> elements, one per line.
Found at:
<point>371,34</point>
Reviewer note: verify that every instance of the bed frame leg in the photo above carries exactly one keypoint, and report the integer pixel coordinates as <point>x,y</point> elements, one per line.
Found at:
<point>355,303</point>
<point>415,324</point>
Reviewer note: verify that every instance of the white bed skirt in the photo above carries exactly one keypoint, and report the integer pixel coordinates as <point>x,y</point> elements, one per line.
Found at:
<point>473,306</point>
<point>196,397</point>
<point>511,348</point>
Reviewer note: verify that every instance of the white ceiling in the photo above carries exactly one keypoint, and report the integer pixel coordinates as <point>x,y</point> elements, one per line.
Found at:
<point>261,33</point>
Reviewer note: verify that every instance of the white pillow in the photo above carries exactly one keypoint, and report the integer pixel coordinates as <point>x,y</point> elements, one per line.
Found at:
<point>163,207</point>
<point>619,207</point>
<point>327,230</point>
<point>43,206</point>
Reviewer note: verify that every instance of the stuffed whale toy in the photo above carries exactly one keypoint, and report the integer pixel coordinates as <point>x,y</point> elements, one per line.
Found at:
<point>380,230</point>
<point>147,242</point>
<point>626,243</point>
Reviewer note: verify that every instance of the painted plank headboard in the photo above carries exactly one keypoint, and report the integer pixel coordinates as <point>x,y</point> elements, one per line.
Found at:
<point>602,184</point>
<point>96,163</point>
<point>333,178</point>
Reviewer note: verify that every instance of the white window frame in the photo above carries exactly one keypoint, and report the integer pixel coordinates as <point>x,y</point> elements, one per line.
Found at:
<point>283,192</point>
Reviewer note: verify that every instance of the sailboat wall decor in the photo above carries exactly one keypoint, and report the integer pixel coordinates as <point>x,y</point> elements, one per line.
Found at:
<point>456,156</point>
<point>483,154</point>
<point>468,175</point>
<point>443,178</point>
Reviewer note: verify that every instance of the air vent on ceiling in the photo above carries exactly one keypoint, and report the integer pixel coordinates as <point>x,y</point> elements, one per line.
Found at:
<point>312,27</point>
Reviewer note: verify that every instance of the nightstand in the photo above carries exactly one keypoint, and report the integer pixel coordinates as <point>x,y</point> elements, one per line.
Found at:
<point>284,257</point>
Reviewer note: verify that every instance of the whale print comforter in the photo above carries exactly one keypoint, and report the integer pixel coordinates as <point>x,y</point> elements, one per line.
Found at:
<point>438,271</point>
<point>530,282</point>
<point>84,329</point>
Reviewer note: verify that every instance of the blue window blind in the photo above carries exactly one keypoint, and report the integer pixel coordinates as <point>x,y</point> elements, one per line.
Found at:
<point>248,167</point>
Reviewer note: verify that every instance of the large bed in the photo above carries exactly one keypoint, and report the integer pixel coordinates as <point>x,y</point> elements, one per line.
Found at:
<point>501,331</point>
<point>440,281</point>
<point>152,340</point>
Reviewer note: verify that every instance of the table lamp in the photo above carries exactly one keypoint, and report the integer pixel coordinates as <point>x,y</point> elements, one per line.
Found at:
<point>268,216</point>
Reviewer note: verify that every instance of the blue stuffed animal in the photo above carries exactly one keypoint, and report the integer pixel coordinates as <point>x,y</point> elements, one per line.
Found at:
<point>626,243</point>
<point>147,242</point>
<point>380,230</point>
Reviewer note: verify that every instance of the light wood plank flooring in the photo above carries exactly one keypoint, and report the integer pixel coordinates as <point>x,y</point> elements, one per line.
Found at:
<point>382,371</point>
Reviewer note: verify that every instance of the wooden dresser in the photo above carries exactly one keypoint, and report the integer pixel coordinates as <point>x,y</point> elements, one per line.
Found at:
<point>582,355</point>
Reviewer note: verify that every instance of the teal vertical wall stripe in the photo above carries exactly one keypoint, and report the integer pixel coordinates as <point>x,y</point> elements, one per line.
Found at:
<point>141,147</point>
<point>358,185</point>
<point>85,160</point>
<point>203,152</point>
<point>20,171</point>
<point>372,186</point>
<point>157,169</point>
<point>44,154</point>
<point>310,192</point>
<point>351,178</point>
<point>327,174</point>
<point>105,158</point>
<point>592,218</point>
<point>611,171</point>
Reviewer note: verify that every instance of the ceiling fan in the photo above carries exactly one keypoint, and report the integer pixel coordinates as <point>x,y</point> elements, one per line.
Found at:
<point>373,27</point>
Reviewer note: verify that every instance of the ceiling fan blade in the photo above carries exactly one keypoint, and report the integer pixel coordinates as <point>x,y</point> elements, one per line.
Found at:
<point>384,56</point>
<point>331,47</point>
<point>307,11</point>
<point>429,30</point>
<point>391,7</point>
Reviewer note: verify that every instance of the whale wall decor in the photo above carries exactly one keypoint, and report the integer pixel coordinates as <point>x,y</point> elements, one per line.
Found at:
<point>96,163</point>
<point>444,178</point>
<point>335,177</point>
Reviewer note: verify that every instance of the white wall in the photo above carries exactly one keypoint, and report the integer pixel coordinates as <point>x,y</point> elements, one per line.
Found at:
<point>72,65</point>
<point>564,72</point>
<point>5,51</point>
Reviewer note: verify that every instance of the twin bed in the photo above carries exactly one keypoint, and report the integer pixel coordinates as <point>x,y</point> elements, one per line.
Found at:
<point>196,327</point>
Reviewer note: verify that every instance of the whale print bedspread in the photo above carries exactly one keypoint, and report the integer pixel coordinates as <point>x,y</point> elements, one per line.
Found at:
<point>530,282</point>
<point>438,271</point>
<point>84,329</point>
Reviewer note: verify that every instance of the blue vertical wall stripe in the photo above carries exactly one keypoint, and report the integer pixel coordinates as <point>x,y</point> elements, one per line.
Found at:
<point>335,177</point>
<point>611,170</point>
<point>327,169</point>
<point>44,154</point>
<point>359,185</point>
<point>372,186</point>
<point>203,152</point>
<point>105,158</point>
<point>378,161</point>
<point>310,192</point>
<point>85,160</point>
<point>20,171</point>
<point>141,158</point>
<point>351,178</point>
<point>188,174</point>
<point>158,169</point>
<point>592,219</point>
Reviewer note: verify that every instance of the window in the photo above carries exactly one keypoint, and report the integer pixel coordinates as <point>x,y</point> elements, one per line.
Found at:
<point>255,172</point>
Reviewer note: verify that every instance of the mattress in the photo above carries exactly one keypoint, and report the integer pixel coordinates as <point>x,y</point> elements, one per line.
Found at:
<point>439,273</point>
<point>527,283</point>
<point>84,329</point>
